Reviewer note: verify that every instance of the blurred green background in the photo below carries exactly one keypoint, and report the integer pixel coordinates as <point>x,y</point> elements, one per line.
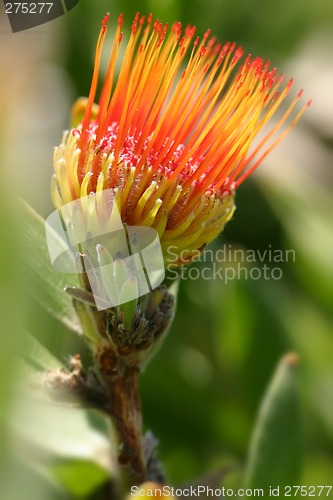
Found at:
<point>202,391</point>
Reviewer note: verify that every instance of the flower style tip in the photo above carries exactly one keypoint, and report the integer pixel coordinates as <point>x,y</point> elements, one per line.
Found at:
<point>171,135</point>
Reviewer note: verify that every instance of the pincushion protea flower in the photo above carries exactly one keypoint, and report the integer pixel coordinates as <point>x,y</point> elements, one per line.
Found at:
<point>171,135</point>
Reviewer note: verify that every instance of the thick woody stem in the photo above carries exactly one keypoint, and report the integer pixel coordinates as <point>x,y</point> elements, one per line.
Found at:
<point>119,373</point>
<point>119,350</point>
<point>125,410</point>
<point>121,377</point>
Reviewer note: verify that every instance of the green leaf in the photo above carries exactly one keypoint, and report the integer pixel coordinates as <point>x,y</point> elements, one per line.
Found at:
<point>52,430</point>
<point>34,478</point>
<point>275,449</point>
<point>36,354</point>
<point>79,477</point>
<point>45,284</point>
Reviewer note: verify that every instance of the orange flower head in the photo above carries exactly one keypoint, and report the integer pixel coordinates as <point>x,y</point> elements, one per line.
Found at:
<point>171,136</point>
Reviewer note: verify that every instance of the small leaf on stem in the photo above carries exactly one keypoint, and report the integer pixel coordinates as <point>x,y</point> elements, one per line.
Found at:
<point>276,447</point>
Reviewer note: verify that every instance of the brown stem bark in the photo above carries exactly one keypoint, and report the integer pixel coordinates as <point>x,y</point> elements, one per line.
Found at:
<point>119,351</point>
<point>125,410</point>
<point>121,378</point>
